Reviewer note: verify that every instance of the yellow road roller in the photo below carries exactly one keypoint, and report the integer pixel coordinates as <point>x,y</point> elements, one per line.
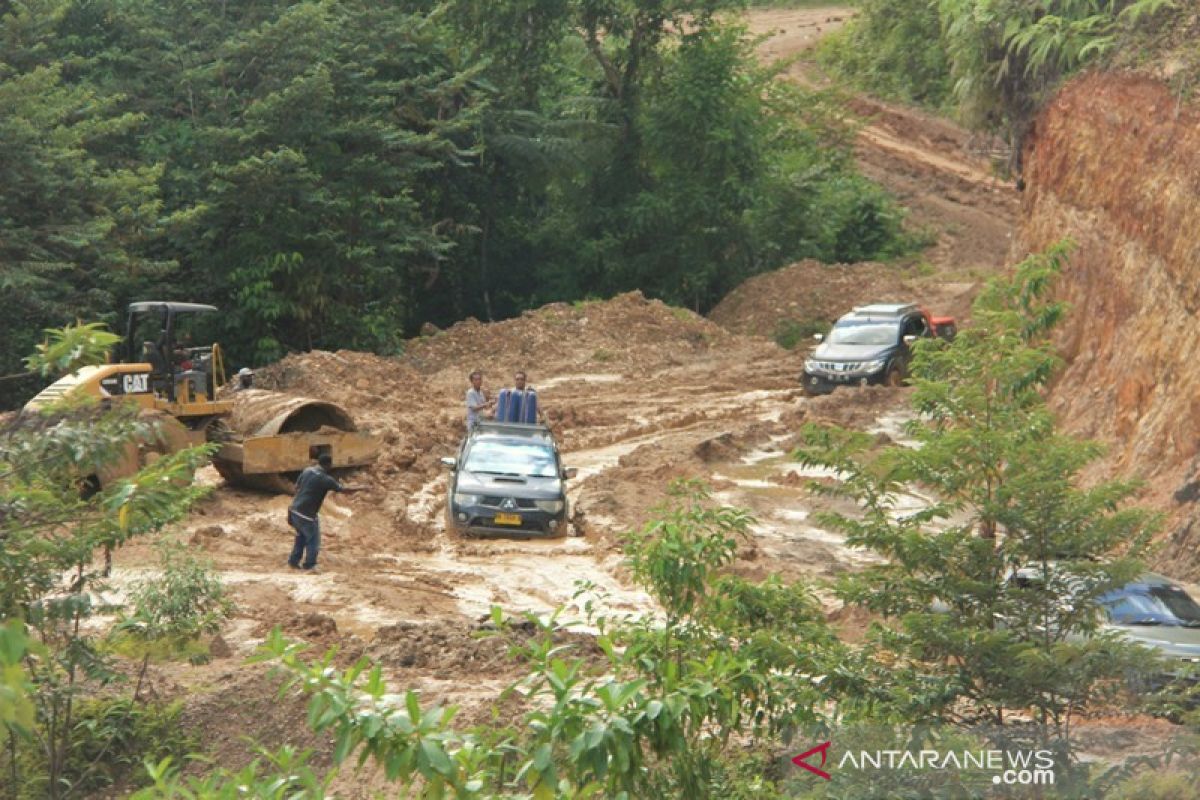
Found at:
<point>264,437</point>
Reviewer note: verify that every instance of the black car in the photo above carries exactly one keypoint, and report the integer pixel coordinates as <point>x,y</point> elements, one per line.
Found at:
<point>870,345</point>
<point>509,480</point>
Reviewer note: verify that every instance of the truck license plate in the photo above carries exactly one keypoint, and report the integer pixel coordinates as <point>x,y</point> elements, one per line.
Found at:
<point>508,519</point>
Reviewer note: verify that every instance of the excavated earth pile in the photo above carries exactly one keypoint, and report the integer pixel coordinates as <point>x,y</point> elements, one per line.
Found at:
<point>810,296</point>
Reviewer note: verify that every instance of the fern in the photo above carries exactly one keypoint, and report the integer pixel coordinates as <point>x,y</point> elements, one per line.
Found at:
<point>1146,8</point>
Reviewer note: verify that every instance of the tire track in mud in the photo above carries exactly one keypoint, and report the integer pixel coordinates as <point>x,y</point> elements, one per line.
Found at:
<point>368,582</point>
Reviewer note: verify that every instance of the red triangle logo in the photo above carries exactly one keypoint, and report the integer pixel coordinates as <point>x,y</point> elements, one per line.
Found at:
<point>823,749</point>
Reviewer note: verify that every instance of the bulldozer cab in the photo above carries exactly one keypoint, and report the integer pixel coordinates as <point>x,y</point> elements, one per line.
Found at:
<point>166,336</point>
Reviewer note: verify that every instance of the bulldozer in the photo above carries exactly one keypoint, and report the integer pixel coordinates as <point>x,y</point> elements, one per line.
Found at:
<point>264,438</point>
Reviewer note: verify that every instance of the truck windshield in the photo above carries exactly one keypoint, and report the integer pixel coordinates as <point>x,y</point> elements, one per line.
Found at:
<point>864,334</point>
<point>524,459</point>
<point>1153,605</point>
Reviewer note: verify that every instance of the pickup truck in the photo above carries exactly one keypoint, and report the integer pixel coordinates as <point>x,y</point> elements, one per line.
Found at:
<point>870,345</point>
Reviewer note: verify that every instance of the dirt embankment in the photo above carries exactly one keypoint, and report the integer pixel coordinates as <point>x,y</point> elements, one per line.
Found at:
<point>945,177</point>
<point>812,292</point>
<point>1114,164</point>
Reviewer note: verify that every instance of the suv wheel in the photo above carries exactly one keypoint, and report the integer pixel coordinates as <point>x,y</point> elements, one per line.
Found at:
<point>895,376</point>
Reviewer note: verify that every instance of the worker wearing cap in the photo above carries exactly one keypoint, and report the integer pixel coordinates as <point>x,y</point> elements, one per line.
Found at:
<point>245,379</point>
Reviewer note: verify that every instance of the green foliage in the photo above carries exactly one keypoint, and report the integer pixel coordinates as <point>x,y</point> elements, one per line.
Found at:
<point>334,174</point>
<point>50,528</point>
<point>274,775</point>
<point>811,203</point>
<point>789,332</point>
<point>1157,786</point>
<point>67,349</point>
<point>184,601</point>
<point>16,708</point>
<point>893,48</point>
<point>997,60</point>
<point>74,221</point>
<point>110,740</point>
<point>966,640</point>
<point>677,555</point>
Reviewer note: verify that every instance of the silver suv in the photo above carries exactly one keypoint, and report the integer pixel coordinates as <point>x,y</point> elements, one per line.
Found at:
<point>509,480</point>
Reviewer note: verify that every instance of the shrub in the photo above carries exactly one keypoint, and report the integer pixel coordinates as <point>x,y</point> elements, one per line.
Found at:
<point>109,741</point>
<point>186,601</point>
<point>789,332</point>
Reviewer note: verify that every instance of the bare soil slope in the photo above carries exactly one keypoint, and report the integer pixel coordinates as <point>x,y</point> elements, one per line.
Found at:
<point>811,291</point>
<point>1113,165</point>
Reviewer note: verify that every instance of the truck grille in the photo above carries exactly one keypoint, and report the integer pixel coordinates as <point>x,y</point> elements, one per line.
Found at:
<point>838,366</point>
<point>495,502</point>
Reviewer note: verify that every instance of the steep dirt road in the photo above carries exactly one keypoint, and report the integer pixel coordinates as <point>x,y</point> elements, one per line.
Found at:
<point>638,393</point>
<point>943,174</point>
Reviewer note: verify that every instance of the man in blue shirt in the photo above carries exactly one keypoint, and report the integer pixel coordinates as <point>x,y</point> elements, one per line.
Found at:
<point>311,487</point>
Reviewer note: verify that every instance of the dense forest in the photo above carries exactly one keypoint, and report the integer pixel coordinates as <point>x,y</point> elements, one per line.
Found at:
<point>335,174</point>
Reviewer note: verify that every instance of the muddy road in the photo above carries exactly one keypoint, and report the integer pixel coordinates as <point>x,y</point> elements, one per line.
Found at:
<point>638,394</point>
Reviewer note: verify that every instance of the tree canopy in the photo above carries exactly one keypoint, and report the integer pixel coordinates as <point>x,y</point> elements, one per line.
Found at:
<point>336,173</point>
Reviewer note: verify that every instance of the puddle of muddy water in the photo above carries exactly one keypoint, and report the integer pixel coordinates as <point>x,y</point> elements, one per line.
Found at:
<point>770,452</point>
<point>892,425</point>
<point>538,579</point>
<point>782,528</point>
<point>517,575</point>
<point>424,504</point>
<point>592,462</point>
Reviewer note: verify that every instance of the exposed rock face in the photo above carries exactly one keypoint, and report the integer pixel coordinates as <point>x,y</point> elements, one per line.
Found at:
<point>1114,164</point>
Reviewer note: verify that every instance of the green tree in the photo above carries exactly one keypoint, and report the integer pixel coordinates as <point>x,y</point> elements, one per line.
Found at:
<point>50,528</point>
<point>893,48</point>
<point>998,60</point>
<point>184,601</point>
<point>72,220</point>
<point>325,207</point>
<point>967,638</point>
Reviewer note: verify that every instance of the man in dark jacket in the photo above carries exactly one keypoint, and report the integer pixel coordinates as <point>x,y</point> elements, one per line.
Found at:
<point>311,487</point>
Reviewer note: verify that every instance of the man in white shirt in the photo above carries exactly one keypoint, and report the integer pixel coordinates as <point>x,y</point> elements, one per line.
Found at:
<point>477,399</point>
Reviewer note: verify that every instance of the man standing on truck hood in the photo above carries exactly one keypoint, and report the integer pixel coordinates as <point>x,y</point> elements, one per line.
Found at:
<point>311,487</point>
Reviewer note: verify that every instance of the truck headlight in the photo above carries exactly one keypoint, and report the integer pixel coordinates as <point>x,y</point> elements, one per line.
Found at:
<point>810,365</point>
<point>549,506</point>
<point>464,499</point>
<point>874,366</point>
